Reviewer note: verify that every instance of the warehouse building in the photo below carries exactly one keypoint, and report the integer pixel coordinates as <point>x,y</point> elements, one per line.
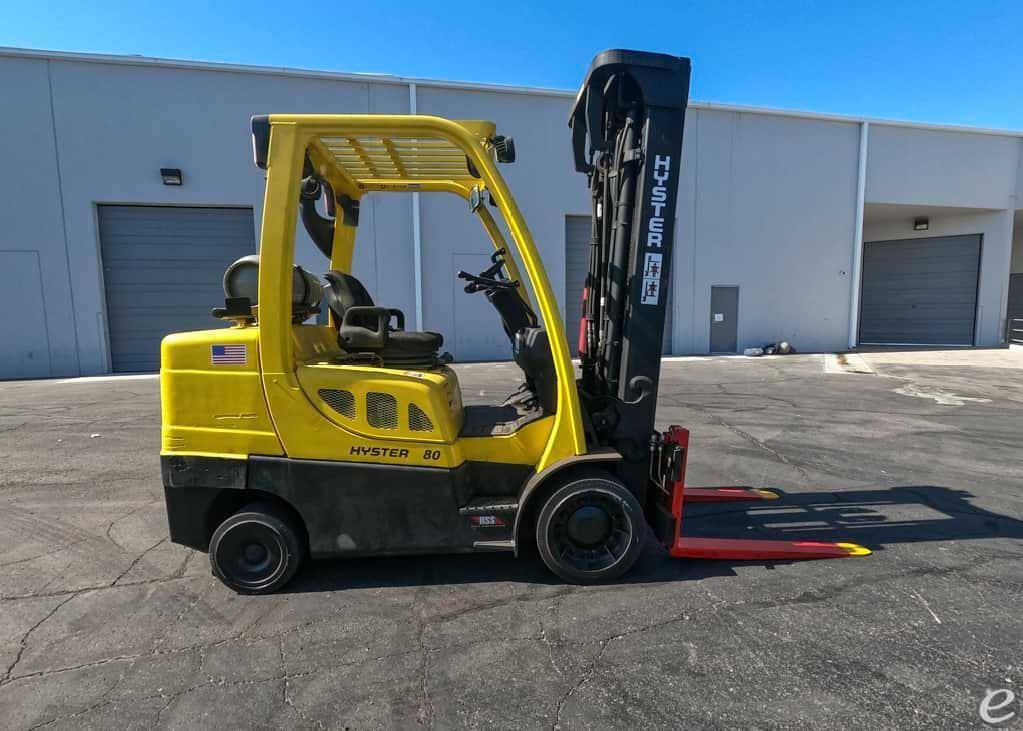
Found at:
<point>829,232</point>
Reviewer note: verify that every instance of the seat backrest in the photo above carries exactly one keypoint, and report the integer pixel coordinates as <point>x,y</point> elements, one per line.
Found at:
<point>532,352</point>
<point>344,291</point>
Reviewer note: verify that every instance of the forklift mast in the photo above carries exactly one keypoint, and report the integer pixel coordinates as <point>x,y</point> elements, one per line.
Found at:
<point>627,126</point>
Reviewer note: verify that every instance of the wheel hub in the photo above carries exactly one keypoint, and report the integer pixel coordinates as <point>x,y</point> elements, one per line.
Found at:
<point>590,531</point>
<point>255,554</point>
<point>251,554</point>
<point>589,525</point>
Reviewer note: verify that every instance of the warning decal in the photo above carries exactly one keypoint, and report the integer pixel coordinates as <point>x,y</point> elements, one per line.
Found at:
<point>652,279</point>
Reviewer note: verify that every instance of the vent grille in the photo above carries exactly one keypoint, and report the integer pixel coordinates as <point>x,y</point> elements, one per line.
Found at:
<point>418,420</point>
<point>381,410</point>
<point>343,402</point>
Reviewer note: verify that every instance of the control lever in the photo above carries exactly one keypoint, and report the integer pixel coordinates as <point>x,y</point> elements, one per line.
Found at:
<point>498,262</point>
<point>477,283</point>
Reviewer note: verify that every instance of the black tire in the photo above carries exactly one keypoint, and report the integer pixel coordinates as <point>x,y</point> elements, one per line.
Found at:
<point>591,530</point>
<point>257,550</point>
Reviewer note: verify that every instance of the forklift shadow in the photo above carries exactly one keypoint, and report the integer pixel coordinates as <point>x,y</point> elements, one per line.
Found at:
<point>874,518</point>
<point>412,571</point>
<point>479,568</point>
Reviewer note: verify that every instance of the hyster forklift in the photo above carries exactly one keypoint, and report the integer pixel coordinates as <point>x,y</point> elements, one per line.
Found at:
<point>284,438</point>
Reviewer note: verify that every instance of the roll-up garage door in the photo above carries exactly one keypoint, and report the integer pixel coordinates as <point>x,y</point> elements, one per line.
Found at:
<point>920,291</point>
<point>163,270</point>
<point>577,263</point>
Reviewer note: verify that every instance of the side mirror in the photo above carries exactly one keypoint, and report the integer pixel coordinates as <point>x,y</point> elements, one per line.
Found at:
<point>475,198</point>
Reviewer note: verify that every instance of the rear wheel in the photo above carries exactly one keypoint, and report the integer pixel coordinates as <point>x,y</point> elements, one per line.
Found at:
<point>257,550</point>
<point>590,530</point>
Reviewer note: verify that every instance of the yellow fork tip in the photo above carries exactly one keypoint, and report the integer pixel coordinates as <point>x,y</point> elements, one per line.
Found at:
<point>855,549</point>
<point>768,494</point>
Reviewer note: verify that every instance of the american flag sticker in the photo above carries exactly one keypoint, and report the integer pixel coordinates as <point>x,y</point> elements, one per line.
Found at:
<point>229,354</point>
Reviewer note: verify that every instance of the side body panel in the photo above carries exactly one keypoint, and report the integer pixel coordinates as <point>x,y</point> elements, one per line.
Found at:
<point>365,509</point>
<point>348,508</point>
<point>211,395</point>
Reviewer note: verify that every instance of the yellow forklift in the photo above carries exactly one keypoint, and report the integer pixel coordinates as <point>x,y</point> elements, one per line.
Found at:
<point>284,439</point>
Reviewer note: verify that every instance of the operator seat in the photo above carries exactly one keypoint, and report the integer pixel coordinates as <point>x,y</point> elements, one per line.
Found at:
<point>365,328</point>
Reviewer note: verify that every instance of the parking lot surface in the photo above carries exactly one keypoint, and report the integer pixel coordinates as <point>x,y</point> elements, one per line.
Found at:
<point>104,623</point>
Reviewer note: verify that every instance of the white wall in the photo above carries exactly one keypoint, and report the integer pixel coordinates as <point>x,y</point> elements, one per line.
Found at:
<point>909,165</point>
<point>30,209</point>
<point>766,201</point>
<point>767,204</point>
<point>996,230</point>
<point>115,126</point>
<point>1017,231</point>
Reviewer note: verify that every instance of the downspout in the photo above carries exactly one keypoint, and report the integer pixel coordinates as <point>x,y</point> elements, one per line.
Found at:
<point>417,233</point>
<point>857,262</point>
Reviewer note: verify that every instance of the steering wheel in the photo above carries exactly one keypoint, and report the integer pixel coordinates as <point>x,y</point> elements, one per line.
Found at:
<point>491,279</point>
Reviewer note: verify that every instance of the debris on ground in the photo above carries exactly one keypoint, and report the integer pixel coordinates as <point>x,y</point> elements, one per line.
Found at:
<point>782,348</point>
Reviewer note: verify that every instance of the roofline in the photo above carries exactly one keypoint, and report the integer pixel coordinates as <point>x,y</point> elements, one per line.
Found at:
<point>851,119</point>
<point>120,60</point>
<point>360,78</point>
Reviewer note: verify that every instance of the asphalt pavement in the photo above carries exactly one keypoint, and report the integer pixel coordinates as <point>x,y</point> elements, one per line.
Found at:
<point>104,623</point>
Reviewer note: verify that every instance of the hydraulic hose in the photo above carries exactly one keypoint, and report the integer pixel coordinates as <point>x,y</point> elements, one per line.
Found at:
<point>617,291</point>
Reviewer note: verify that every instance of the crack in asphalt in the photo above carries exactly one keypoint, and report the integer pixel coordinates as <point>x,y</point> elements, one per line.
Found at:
<point>495,603</point>
<point>721,606</point>
<point>584,678</point>
<point>423,647</point>
<point>564,699</point>
<point>171,698</point>
<point>762,445</point>
<point>553,609</point>
<point>426,712</point>
<point>746,436</point>
<point>76,714</point>
<point>54,552</point>
<point>166,631</point>
<point>96,587</point>
<point>127,515</point>
<point>136,560</point>
<point>69,668</point>
<point>286,699</point>
<point>23,644</point>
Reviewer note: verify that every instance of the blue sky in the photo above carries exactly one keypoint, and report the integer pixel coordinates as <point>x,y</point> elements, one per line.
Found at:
<point>944,62</point>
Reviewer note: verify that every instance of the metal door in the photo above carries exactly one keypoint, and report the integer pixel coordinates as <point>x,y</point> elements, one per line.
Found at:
<point>163,270</point>
<point>920,291</point>
<point>724,319</point>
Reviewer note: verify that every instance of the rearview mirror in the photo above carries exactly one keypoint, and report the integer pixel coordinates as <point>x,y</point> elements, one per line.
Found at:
<point>475,198</point>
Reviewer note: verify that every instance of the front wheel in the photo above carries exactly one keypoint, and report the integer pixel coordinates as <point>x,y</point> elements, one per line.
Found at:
<point>591,530</point>
<point>257,550</point>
